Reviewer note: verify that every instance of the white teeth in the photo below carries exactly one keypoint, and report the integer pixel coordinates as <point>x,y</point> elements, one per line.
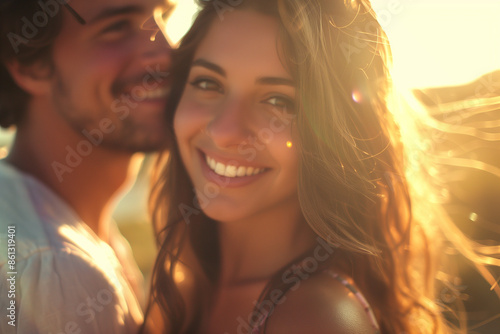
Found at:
<point>241,171</point>
<point>220,168</point>
<point>231,170</point>
<point>212,163</point>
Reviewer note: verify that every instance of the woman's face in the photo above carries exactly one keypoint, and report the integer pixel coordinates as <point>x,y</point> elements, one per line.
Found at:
<point>234,121</point>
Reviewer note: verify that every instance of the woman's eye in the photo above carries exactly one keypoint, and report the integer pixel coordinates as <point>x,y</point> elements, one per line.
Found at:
<point>206,84</point>
<point>281,102</point>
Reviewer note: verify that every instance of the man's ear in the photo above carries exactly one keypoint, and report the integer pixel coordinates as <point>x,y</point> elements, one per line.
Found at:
<point>34,78</point>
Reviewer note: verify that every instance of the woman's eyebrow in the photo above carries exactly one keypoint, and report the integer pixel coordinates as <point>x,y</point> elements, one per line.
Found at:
<point>275,81</point>
<point>208,65</point>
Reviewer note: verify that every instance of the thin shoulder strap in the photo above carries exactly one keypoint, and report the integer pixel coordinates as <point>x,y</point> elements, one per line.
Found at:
<point>359,296</point>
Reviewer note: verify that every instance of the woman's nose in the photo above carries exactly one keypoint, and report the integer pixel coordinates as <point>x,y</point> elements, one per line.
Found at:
<point>230,127</point>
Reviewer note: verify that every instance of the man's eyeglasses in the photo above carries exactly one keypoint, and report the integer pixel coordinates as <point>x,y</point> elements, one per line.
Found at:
<point>74,13</point>
<point>156,22</point>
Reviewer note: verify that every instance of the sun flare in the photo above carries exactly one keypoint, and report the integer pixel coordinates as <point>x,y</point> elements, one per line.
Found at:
<point>434,42</point>
<point>441,43</point>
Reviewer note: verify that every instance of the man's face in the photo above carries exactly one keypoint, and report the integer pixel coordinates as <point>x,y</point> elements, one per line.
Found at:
<point>110,79</point>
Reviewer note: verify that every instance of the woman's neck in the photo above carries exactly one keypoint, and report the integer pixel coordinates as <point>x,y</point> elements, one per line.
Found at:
<point>254,249</point>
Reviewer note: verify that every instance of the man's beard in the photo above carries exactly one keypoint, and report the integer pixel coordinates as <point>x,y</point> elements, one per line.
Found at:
<point>126,135</point>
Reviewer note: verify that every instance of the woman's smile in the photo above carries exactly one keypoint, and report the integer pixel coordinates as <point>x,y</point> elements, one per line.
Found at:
<point>229,172</point>
<point>232,95</point>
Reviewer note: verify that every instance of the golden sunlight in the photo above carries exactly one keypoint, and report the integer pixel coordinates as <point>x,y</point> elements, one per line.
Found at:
<point>179,22</point>
<point>434,42</point>
<point>441,42</point>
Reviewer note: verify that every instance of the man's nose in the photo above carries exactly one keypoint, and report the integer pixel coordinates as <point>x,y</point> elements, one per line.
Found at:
<point>155,50</point>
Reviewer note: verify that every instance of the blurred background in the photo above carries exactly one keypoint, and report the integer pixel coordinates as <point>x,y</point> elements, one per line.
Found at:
<point>446,61</point>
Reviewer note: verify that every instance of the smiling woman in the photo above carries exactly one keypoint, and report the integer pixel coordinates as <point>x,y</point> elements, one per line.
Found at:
<point>284,207</point>
<point>262,206</point>
<point>252,95</point>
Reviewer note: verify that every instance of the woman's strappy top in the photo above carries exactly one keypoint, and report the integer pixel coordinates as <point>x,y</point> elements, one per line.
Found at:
<point>359,296</point>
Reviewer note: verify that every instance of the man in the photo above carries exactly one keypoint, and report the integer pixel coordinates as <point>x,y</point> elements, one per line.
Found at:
<point>84,82</point>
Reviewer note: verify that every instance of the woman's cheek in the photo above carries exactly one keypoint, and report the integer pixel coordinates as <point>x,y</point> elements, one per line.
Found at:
<point>190,117</point>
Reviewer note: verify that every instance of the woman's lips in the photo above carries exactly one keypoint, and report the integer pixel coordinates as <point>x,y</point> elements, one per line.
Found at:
<point>230,173</point>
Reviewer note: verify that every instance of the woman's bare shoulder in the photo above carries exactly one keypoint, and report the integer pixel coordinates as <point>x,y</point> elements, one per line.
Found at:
<point>321,303</point>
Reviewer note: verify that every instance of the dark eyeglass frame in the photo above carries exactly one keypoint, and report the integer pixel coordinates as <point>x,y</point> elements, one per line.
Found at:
<point>82,21</point>
<point>165,14</point>
<point>75,14</point>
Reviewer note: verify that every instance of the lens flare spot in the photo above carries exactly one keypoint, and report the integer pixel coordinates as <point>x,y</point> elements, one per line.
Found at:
<point>289,144</point>
<point>179,276</point>
<point>356,96</point>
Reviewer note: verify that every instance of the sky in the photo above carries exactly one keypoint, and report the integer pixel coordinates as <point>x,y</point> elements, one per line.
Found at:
<point>434,42</point>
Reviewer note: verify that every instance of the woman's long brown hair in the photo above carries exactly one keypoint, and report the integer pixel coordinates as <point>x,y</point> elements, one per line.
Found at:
<point>352,186</point>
